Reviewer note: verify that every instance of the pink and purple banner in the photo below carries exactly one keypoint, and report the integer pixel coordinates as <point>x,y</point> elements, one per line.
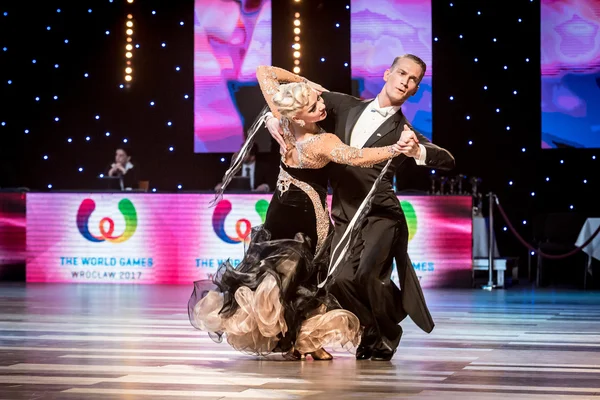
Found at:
<point>12,230</point>
<point>176,238</point>
<point>382,30</point>
<point>570,65</point>
<point>231,39</point>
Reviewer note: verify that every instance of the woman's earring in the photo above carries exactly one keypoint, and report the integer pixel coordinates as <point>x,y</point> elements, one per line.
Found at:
<point>301,122</point>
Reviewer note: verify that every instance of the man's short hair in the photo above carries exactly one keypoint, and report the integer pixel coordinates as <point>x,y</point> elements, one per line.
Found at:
<point>414,58</point>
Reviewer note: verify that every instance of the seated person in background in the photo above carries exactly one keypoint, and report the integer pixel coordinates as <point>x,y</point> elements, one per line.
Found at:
<point>124,168</point>
<point>261,175</point>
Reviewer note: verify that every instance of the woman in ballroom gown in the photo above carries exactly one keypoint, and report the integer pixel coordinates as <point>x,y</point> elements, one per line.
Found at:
<point>270,302</point>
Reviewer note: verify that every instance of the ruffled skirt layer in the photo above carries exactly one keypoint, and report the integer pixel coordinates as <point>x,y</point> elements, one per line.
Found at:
<point>270,302</point>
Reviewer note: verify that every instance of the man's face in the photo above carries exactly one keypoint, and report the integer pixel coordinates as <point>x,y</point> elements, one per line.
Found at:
<point>121,157</point>
<point>402,81</point>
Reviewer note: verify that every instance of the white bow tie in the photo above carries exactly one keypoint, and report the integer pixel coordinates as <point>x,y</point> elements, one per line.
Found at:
<point>383,111</point>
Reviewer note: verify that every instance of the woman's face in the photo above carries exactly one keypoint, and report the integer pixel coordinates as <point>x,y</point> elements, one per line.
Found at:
<point>121,157</point>
<point>314,111</point>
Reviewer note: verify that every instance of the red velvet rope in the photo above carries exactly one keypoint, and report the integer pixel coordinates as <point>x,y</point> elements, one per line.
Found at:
<point>530,247</point>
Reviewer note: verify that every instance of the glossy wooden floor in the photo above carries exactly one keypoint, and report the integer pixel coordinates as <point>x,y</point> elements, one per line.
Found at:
<point>128,342</point>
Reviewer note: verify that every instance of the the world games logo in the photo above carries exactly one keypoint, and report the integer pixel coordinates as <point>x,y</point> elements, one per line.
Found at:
<point>107,225</point>
<point>411,218</point>
<point>243,227</point>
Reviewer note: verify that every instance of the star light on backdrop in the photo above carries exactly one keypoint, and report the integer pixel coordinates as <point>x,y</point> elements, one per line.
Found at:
<point>513,56</point>
<point>69,53</point>
<point>297,43</point>
<point>129,48</point>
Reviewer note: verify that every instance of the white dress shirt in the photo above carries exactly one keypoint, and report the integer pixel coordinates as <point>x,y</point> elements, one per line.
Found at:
<point>370,120</point>
<point>248,170</point>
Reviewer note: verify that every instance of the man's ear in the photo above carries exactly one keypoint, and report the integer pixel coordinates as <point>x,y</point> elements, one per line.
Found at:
<point>416,90</point>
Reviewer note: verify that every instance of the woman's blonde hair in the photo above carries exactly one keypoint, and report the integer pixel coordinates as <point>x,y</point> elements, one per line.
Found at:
<point>291,97</point>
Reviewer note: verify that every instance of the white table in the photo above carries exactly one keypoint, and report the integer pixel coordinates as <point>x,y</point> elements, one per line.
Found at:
<point>592,249</point>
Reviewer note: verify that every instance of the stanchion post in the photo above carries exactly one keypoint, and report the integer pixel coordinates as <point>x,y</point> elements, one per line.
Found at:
<point>490,284</point>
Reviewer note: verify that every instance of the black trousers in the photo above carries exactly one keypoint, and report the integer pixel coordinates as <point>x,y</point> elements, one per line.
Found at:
<point>363,283</point>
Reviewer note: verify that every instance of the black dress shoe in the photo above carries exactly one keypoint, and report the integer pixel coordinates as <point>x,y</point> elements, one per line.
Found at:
<point>382,354</point>
<point>364,352</point>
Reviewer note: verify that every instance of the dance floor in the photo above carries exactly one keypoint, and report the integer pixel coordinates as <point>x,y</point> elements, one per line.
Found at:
<point>124,342</point>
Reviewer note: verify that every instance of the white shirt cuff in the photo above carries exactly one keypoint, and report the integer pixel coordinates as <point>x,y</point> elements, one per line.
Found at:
<point>423,156</point>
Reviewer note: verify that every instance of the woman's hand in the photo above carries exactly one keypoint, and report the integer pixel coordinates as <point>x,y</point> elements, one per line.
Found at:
<point>276,131</point>
<point>113,169</point>
<point>116,167</point>
<point>409,143</point>
<point>316,86</point>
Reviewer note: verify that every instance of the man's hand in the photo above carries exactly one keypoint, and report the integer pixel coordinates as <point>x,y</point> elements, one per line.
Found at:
<point>276,132</point>
<point>409,143</point>
<point>264,188</point>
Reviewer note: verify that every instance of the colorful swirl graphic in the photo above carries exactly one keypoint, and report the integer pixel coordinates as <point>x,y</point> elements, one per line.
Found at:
<point>126,208</point>
<point>411,218</point>
<point>243,227</point>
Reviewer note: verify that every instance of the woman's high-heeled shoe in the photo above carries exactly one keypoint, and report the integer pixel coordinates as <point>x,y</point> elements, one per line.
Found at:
<point>321,355</point>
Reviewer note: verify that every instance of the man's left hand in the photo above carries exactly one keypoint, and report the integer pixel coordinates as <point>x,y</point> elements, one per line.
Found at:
<point>409,143</point>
